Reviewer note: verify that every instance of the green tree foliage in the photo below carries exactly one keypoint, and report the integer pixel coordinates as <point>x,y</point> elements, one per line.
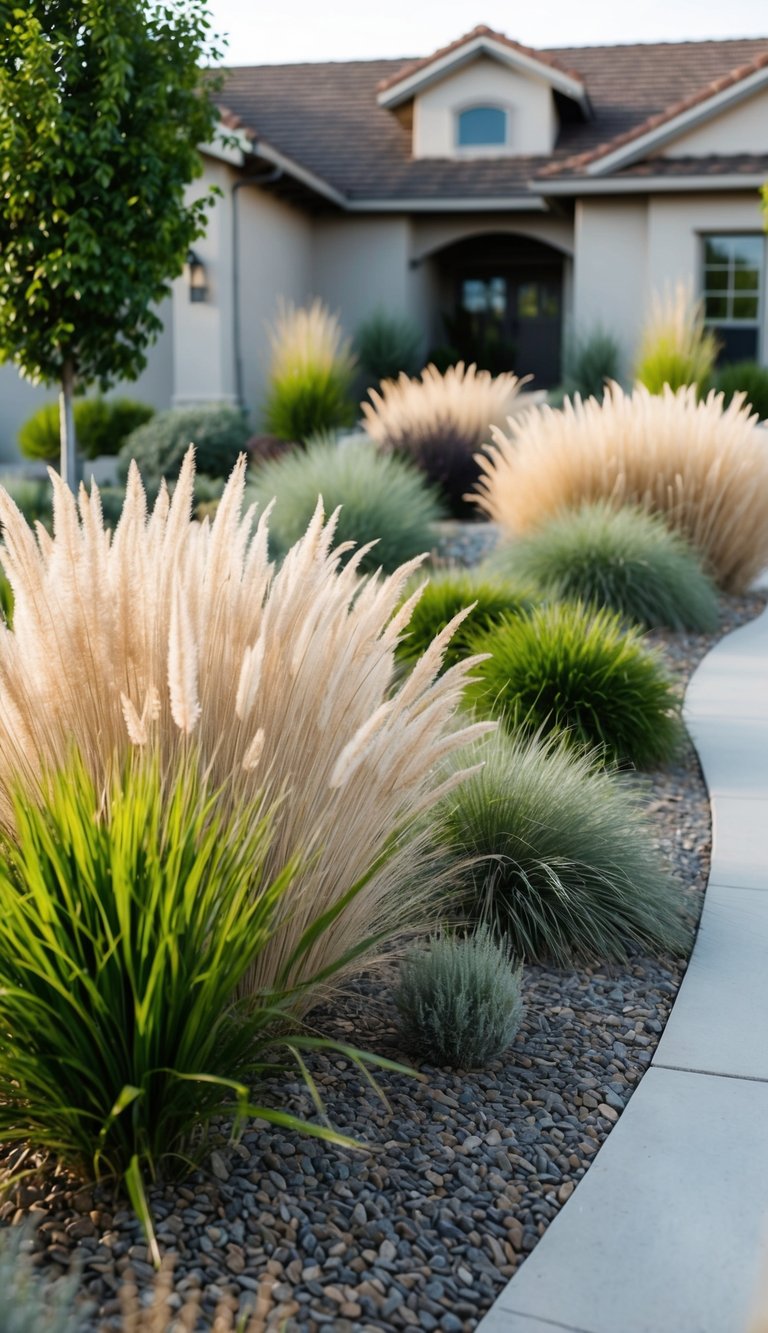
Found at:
<point>101,113</point>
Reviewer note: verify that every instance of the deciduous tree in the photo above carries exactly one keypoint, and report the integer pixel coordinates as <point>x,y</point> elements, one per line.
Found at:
<point>101,115</point>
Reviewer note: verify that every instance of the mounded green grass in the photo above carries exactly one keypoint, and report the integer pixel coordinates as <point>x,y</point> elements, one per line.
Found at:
<point>623,559</point>
<point>568,669</point>
<point>556,854</point>
<point>382,498</point>
<point>449,592</point>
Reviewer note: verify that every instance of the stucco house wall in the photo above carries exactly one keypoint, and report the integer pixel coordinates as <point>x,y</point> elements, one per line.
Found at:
<point>532,119</point>
<point>741,129</point>
<point>627,249</point>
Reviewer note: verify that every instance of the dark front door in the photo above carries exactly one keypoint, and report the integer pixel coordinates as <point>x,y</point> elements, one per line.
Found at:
<point>513,318</point>
<point>506,295</point>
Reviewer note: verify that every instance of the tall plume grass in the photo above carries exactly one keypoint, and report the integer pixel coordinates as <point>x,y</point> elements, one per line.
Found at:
<point>702,467</point>
<point>169,634</point>
<point>307,336</point>
<point>440,421</point>
<point>676,347</point>
<point>311,373</point>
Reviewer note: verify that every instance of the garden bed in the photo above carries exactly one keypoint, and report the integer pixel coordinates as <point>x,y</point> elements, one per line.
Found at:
<point>462,1172</point>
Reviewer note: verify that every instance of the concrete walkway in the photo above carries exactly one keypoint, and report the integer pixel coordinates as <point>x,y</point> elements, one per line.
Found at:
<point>667,1231</point>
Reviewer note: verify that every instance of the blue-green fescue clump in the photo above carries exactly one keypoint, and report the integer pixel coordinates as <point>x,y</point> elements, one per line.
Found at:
<point>624,559</point>
<point>557,855</point>
<point>31,1302</point>
<point>459,1002</point>
<point>383,498</point>
<point>577,672</point>
<point>451,591</point>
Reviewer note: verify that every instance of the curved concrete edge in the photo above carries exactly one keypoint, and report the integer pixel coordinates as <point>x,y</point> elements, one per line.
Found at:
<point>666,1231</point>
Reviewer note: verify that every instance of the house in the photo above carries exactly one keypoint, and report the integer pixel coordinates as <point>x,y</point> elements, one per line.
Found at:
<point>499,195</point>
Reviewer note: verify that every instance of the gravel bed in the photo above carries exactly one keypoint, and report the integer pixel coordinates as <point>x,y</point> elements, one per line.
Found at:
<point>461,1173</point>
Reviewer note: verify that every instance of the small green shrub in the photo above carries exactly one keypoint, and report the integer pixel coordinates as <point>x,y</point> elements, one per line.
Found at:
<point>388,345</point>
<point>219,434</point>
<point>745,377</point>
<point>459,1003</point>
<point>676,347</point>
<point>445,595</point>
<point>102,426</point>
<point>130,917</point>
<point>591,360</point>
<point>32,1302</point>
<point>308,400</point>
<point>557,854</point>
<point>383,499</point>
<point>566,668</point>
<point>623,559</point>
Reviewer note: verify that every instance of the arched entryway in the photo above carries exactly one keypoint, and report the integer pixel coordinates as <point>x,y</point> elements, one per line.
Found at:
<point>500,301</point>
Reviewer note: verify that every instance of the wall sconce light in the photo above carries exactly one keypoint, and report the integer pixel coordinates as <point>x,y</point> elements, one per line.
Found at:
<point>196,277</point>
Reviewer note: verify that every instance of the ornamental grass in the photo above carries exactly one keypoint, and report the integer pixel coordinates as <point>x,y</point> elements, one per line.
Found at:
<point>577,672</point>
<point>558,856</point>
<point>168,633</point>
<point>130,914</point>
<point>703,467</point>
<point>623,559</point>
<point>488,600</point>
<point>439,421</point>
<point>676,347</point>
<point>380,499</point>
<point>311,373</point>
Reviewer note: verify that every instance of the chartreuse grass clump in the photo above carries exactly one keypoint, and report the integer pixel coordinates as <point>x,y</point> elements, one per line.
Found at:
<point>571,670</point>
<point>557,855</point>
<point>624,559</point>
<point>459,1001</point>
<point>131,917</point>
<point>451,591</point>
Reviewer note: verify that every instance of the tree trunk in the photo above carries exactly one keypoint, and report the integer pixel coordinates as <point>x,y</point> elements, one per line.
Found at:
<point>67,426</point>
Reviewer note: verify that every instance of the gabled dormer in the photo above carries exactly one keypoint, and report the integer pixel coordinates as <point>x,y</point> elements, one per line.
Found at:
<point>485,96</point>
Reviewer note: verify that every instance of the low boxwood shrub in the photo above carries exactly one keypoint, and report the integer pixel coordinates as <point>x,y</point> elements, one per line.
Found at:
<point>382,498</point>
<point>102,426</point>
<point>557,854</point>
<point>624,559</point>
<point>747,377</point>
<point>219,434</point>
<point>459,1002</point>
<point>388,345</point>
<point>449,592</point>
<point>570,669</point>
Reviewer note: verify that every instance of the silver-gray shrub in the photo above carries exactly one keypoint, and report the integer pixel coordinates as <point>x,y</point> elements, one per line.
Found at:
<point>31,1301</point>
<point>459,1001</point>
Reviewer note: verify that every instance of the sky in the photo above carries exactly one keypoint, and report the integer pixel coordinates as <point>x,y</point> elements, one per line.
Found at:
<point>300,30</point>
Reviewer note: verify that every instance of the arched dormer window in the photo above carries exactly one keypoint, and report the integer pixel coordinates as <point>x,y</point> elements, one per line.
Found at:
<point>481,127</point>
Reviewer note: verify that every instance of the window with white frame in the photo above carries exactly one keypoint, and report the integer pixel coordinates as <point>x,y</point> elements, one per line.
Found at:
<point>481,127</point>
<point>733,281</point>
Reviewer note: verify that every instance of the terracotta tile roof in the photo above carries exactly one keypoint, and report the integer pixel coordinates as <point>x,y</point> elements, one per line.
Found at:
<point>325,116</point>
<point>482,30</point>
<point>717,85</point>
